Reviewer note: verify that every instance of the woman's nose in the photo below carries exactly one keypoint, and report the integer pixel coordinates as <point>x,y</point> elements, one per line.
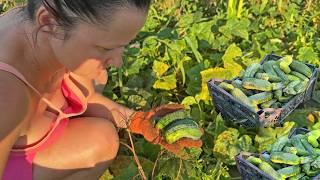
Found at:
<point>117,62</point>
<point>116,59</point>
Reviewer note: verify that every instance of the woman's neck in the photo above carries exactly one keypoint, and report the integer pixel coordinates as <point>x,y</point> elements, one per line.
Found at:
<point>29,53</point>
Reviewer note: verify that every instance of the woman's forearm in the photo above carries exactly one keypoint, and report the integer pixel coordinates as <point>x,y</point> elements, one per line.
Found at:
<point>100,106</point>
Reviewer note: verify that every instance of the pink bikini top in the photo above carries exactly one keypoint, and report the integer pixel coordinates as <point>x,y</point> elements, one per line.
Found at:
<point>77,101</point>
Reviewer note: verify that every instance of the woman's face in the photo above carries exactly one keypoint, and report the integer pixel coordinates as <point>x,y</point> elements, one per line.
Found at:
<point>90,49</point>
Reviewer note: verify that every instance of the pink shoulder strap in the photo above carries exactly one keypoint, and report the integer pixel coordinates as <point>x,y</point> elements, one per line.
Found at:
<point>14,71</point>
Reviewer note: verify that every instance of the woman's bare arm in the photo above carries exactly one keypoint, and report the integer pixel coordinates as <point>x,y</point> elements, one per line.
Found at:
<point>14,103</point>
<point>100,106</point>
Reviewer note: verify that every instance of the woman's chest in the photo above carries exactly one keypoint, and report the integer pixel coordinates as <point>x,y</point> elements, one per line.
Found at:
<point>41,120</point>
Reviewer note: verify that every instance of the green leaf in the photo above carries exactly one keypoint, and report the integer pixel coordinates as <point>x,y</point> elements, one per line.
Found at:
<point>245,144</point>
<point>136,66</point>
<point>307,54</point>
<point>267,136</point>
<point>225,147</point>
<point>160,68</point>
<point>166,82</point>
<point>189,101</point>
<point>124,167</point>
<point>236,27</point>
<point>194,46</point>
<point>137,101</point>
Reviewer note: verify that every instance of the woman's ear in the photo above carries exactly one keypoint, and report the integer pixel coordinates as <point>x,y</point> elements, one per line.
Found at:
<point>46,22</point>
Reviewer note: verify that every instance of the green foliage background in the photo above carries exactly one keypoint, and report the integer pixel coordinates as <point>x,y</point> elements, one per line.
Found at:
<point>183,44</point>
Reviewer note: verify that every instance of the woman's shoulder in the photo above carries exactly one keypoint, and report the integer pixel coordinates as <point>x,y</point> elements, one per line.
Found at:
<point>15,98</point>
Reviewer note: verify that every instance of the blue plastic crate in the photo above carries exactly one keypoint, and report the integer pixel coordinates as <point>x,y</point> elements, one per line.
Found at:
<point>249,171</point>
<point>237,113</point>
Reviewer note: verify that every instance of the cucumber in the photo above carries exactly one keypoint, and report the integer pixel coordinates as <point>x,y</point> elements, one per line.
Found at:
<point>182,128</point>
<point>280,73</point>
<point>279,144</point>
<point>313,140</point>
<point>268,68</point>
<point>268,104</point>
<point>299,75</point>
<point>254,160</point>
<point>276,105</point>
<point>167,119</point>
<point>278,94</point>
<point>285,99</point>
<point>296,142</point>
<point>291,150</point>
<point>306,167</point>
<point>290,88</point>
<point>252,70</point>
<point>301,87</point>
<point>274,78</point>
<point>267,168</point>
<point>257,84</point>
<point>297,177</point>
<point>263,76</point>
<point>242,72</point>
<point>226,86</point>
<point>240,96</point>
<point>284,64</point>
<point>307,146</point>
<point>238,84</point>
<point>261,97</point>
<point>284,158</point>
<point>301,68</point>
<point>266,157</point>
<point>306,159</point>
<point>277,86</point>
<point>293,78</point>
<point>289,171</point>
<point>316,163</point>
<point>313,137</point>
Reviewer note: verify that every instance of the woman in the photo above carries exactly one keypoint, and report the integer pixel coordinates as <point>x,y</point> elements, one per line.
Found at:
<point>53,123</point>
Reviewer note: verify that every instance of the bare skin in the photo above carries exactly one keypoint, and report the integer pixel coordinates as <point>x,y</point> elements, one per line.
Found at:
<point>87,52</point>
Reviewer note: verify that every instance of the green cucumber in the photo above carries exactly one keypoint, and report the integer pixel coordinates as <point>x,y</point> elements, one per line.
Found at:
<point>268,68</point>
<point>289,171</point>
<point>257,84</point>
<point>284,158</point>
<point>284,64</point>
<point>267,168</point>
<point>254,160</point>
<point>299,75</point>
<point>167,119</point>
<point>268,104</point>
<point>261,97</point>
<point>252,70</point>
<point>226,86</point>
<point>183,128</point>
<point>290,88</point>
<point>279,144</point>
<point>301,68</point>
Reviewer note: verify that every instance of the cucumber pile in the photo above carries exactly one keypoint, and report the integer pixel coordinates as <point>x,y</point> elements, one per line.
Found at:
<point>177,125</point>
<point>271,84</point>
<point>292,158</point>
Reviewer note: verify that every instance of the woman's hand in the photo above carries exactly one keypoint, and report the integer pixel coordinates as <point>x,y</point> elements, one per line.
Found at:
<point>141,123</point>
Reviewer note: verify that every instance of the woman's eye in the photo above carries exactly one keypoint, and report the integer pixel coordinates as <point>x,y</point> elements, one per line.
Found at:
<point>104,49</point>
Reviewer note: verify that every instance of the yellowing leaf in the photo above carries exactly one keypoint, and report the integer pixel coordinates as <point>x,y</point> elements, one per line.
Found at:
<point>166,82</point>
<point>208,74</point>
<point>160,68</point>
<point>231,53</point>
<point>189,101</point>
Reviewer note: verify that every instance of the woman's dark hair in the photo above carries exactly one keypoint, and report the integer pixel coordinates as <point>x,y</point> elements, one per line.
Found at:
<point>68,12</point>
